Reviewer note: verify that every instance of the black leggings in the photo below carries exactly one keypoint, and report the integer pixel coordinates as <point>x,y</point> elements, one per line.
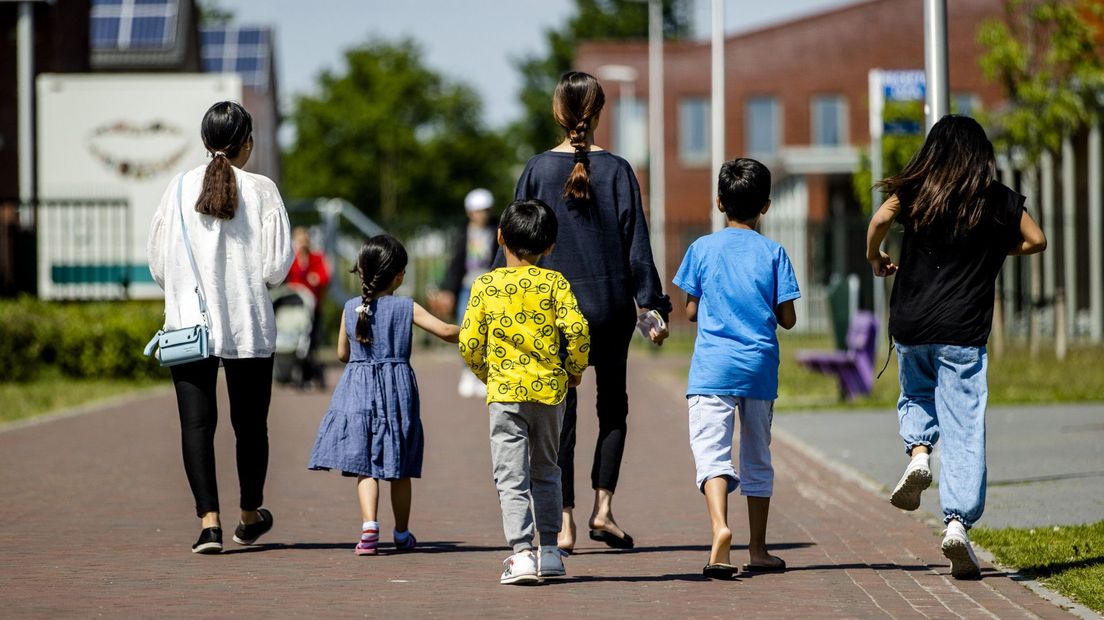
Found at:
<point>249,385</point>
<point>609,357</point>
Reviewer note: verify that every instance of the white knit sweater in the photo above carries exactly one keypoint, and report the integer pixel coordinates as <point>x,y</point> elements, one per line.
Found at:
<point>236,259</point>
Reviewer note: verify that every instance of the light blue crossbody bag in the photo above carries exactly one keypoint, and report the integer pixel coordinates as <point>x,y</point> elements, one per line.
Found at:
<point>187,344</point>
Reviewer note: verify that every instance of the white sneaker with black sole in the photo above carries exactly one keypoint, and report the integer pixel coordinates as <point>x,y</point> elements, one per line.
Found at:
<point>917,478</point>
<point>520,569</point>
<point>956,548</point>
<point>551,563</point>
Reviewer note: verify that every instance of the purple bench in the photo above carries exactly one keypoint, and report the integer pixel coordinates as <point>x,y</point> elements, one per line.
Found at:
<point>854,367</point>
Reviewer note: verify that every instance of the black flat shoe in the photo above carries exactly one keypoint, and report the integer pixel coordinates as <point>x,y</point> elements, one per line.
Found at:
<point>720,572</point>
<point>248,534</point>
<point>612,540</point>
<point>210,541</point>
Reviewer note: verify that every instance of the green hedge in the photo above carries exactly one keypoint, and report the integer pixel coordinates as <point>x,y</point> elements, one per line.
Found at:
<point>83,339</point>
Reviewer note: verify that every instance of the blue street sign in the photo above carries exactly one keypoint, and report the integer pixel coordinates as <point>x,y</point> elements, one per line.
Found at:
<point>901,128</point>
<point>903,85</point>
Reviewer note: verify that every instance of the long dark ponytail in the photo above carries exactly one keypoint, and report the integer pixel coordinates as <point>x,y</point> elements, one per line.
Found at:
<point>945,183</point>
<point>381,259</point>
<point>577,100</point>
<point>226,129</point>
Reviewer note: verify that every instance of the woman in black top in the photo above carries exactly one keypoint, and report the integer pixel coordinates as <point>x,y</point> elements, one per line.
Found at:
<point>603,250</point>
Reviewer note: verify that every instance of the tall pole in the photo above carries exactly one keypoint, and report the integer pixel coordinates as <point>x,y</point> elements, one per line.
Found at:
<point>1069,236</point>
<point>25,86</point>
<point>1096,222</point>
<point>717,111</point>
<point>877,127</point>
<point>657,188</point>
<point>936,92</point>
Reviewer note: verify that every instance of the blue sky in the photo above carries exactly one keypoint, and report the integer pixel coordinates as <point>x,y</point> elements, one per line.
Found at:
<point>472,41</point>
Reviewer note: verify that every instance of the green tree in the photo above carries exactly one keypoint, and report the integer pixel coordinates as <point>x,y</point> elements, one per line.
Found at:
<point>594,20</point>
<point>1047,56</point>
<point>394,138</point>
<point>211,12</point>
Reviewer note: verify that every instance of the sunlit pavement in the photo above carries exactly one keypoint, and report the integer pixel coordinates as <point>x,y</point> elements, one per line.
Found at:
<point>98,521</point>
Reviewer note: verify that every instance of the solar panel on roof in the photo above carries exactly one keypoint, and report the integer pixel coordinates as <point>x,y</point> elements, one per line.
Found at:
<point>245,51</point>
<point>133,24</point>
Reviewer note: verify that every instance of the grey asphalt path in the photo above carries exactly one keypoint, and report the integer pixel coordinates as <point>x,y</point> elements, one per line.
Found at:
<point>1046,463</point>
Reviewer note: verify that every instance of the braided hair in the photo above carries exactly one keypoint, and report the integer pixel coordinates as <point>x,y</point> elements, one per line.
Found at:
<point>382,258</point>
<point>577,100</point>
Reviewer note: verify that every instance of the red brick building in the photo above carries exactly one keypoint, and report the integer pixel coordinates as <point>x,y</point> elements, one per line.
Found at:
<point>796,97</point>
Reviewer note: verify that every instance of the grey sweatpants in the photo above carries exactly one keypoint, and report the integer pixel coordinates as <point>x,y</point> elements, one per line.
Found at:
<point>524,441</point>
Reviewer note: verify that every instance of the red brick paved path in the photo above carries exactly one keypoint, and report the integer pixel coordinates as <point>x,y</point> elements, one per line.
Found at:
<point>97,520</point>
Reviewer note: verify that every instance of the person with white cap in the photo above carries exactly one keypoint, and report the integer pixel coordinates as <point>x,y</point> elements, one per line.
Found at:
<point>474,251</point>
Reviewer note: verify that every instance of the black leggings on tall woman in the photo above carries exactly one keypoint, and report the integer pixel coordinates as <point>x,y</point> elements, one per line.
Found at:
<point>609,358</point>
<point>249,385</point>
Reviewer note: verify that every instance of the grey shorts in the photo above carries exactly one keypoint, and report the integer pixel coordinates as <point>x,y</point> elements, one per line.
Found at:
<point>712,424</point>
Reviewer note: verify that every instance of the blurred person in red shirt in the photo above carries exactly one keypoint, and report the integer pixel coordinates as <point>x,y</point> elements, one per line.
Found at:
<point>309,269</point>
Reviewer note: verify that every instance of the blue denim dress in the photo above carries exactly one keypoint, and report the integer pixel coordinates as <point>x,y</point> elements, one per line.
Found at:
<point>373,427</point>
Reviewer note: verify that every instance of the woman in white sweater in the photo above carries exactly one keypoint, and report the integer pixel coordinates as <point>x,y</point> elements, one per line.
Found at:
<point>239,234</point>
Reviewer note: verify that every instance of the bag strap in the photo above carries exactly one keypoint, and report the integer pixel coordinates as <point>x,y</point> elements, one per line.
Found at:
<point>188,248</point>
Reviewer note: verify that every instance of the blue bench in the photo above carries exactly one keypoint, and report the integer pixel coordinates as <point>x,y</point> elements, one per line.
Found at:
<point>853,367</point>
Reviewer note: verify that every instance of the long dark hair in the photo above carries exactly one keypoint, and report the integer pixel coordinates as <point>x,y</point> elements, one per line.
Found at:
<point>577,100</point>
<point>381,259</point>
<point>944,184</point>
<point>225,129</point>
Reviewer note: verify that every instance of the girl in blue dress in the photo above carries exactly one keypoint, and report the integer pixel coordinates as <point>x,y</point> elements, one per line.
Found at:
<point>372,429</point>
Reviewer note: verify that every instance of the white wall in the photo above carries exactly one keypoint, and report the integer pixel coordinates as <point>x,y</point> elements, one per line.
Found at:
<point>113,137</point>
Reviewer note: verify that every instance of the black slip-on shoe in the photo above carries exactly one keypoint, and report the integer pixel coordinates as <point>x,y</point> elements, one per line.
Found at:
<point>612,540</point>
<point>210,541</point>
<point>248,534</point>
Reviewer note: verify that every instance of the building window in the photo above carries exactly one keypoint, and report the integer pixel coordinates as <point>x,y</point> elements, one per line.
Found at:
<point>763,126</point>
<point>966,104</point>
<point>829,120</point>
<point>694,131</point>
<point>630,130</point>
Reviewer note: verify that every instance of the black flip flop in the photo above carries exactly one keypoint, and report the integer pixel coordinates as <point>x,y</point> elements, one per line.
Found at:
<point>759,568</point>
<point>612,540</point>
<point>720,572</point>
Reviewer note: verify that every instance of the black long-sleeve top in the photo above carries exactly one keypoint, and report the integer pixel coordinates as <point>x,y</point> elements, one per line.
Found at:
<point>602,247</point>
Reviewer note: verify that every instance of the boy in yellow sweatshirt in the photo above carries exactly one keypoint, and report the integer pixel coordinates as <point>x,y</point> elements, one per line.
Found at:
<point>516,320</point>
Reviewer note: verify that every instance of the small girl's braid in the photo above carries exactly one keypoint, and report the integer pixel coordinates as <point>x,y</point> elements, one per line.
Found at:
<point>382,258</point>
<point>364,321</point>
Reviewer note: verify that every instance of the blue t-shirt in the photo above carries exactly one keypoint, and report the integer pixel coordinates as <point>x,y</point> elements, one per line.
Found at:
<point>740,277</point>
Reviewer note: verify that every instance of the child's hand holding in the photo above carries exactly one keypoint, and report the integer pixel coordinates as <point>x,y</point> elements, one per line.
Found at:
<point>574,380</point>
<point>882,264</point>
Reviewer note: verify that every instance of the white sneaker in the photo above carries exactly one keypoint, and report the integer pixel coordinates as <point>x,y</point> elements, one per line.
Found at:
<point>956,548</point>
<point>551,563</point>
<point>520,569</point>
<point>917,477</point>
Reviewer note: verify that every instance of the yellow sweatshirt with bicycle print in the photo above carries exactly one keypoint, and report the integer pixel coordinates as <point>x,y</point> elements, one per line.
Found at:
<point>510,336</point>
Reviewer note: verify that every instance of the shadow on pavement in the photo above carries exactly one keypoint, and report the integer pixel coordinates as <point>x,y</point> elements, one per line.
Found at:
<point>632,578</point>
<point>705,548</point>
<point>444,546</point>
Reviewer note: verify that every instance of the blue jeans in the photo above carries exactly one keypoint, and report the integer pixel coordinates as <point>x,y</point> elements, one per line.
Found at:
<point>943,393</point>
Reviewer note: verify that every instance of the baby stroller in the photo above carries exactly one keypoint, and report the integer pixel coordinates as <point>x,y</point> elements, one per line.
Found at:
<point>294,308</point>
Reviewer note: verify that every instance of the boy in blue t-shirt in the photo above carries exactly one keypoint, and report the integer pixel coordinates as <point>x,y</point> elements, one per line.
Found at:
<point>740,286</point>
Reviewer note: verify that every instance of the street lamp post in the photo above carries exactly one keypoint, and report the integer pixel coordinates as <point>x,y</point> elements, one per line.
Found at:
<point>717,111</point>
<point>937,96</point>
<point>657,187</point>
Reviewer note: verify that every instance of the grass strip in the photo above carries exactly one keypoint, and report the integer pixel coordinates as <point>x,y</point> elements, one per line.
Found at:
<point>1069,559</point>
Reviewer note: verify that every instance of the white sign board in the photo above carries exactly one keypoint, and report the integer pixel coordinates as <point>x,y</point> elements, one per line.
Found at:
<point>112,138</point>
